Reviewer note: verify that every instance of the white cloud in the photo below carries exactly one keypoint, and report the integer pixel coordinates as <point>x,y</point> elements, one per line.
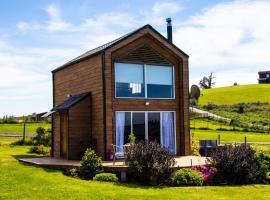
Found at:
<point>229,36</point>
<point>230,39</point>
<point>167,8</point>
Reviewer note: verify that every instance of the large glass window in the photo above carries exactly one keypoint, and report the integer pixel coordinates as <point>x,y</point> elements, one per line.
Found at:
<point>159,81</point>
<point>158,126</point>
<point>129,80</point>
<point>144,81</point>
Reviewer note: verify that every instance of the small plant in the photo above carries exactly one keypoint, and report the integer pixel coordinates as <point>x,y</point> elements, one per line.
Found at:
<point>73,172</point>
<point>131,138</point>
<point>91,164</point>
<point>236,165</point>
<point>194,146</point>
<point>40,149</point>
<point>151,163</point>
<point>106,177</point>
<point>43,137</point>
<point>187,177</point>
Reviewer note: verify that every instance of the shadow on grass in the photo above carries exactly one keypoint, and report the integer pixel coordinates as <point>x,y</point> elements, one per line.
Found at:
<point>45,168</point>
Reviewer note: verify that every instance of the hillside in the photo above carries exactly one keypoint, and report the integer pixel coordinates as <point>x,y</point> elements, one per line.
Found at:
<point>236,94</point>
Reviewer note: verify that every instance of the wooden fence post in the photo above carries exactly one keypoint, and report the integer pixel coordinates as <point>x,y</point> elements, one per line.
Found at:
<point>23,132</point>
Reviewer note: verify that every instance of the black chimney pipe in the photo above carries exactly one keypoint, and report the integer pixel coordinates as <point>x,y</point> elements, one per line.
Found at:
<point>169,29</point>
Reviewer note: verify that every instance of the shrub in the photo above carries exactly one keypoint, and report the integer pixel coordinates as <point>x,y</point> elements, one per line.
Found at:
<point>186,177</point>
<point>236,165</point>
<point>207,171</point>
<point>210,106</point>
<point>73,172</point>
<point>43,137</point>
<point>194,146</point>
<point>91,164</point>
<point>40,149</point>
<point>150,162</point>
<point>106,177</point>
<point>264,161</point>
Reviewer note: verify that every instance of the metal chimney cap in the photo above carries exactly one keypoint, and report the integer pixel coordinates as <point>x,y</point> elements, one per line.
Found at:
<point>169,20</point>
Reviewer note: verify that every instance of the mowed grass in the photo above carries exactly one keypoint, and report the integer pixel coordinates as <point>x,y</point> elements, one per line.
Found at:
<point>7,140</point>
<point>19,181</point>
<point>230,136</point>
<point>236,94</point>
<point>30,128</point>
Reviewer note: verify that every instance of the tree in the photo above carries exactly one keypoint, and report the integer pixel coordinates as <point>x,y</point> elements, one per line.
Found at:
<point>207,82</point>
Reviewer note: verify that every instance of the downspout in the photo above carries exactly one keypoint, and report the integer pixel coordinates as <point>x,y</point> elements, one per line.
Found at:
<point>104,104</point>
<point>181,102</point>
<point>52,125</point>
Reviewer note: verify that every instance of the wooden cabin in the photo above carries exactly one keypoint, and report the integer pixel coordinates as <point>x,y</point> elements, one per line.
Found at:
<point>137,84</point>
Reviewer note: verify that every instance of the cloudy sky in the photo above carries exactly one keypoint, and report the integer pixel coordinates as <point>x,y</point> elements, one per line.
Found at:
<point>229,38</point>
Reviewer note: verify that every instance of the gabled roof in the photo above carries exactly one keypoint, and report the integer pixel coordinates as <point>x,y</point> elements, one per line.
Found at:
<point>264,72</point>
<point>114,42</point>
<point>71,101</point>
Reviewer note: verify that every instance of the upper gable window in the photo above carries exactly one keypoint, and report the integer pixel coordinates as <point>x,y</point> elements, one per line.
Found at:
<point>129,79</point>
<point>144,81</point>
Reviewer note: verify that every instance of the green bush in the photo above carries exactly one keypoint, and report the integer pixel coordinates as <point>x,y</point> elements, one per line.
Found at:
<point>43,137</point>
<point>73,172</point>
<point>106,177</point>
<point>150,163</point>
<point>186,177</point>
<point>263,159</point>
<point>40,149</point>
<point>91,164</point>
<point>194,146</point>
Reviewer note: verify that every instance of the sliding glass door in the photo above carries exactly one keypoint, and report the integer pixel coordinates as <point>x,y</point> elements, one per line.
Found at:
<point>151,125</point>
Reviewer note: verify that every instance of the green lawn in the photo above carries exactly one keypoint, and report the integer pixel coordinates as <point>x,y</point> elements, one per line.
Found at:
<point>236,94</point>
<point>19,181</point>
<point>229,136</point>
<point>30,128</point>
<point>208,123</point>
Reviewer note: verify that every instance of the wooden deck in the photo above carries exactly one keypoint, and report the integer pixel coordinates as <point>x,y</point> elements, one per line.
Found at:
<point>109,166</point>
<point>183,161</point>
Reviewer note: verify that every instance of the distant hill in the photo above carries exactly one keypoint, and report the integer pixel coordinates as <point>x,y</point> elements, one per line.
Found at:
<point>236,94</point>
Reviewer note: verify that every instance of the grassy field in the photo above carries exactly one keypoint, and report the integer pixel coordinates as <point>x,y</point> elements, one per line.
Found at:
<point>19,181</point>
<point>230,136</point>
<point>30,128</point>
<point>236,94</point>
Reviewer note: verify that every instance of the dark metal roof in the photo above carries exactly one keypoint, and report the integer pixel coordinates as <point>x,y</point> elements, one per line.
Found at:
<point>264,72</point>
<point>114,42</point>
<point>71,101</point>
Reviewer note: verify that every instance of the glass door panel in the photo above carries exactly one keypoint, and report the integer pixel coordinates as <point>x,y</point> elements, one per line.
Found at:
<point>138,121</point>
<point>154,126</point>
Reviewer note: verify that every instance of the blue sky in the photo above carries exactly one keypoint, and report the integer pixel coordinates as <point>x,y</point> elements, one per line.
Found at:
<point>229,38</point>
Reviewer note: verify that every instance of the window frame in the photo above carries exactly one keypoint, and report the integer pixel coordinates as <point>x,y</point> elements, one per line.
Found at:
<point>145,81</point>
<point>146,123</point>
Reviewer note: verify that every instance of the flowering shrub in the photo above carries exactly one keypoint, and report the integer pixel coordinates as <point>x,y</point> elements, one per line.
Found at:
<point>207,172</point>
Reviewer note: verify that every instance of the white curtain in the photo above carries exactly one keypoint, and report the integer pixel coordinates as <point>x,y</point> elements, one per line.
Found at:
<point>120,128</point>
<point>168,134</point>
